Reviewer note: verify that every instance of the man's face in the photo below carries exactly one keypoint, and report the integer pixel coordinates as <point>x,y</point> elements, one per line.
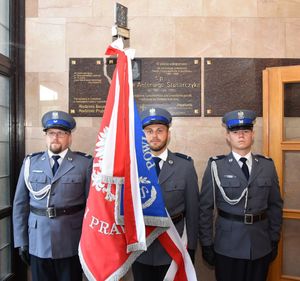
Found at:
<point>240,140</point>
<point>157,136</point>
<point>58,140</point>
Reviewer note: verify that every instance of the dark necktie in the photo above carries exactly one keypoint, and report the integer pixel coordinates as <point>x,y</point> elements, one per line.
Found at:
<point>245,167</point>
<point>56,165</point>
<point>156,161</point>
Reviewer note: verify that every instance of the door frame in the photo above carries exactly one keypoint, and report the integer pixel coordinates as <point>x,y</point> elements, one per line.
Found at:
<point>274,144</point>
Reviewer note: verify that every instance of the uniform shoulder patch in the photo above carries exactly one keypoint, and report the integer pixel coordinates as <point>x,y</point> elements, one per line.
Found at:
<point>186,157</point>
<point>264,157</point>
<point>34,154</point>
<point>83,154</point>
<point>218,157</point>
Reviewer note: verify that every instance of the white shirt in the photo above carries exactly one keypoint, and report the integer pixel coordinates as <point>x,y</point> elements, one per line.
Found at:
<point>248,156</point>
<point>163,156</point>
<point>62,156</point>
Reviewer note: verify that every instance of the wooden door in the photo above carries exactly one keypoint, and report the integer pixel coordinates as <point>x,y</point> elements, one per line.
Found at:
<point>281,135</point>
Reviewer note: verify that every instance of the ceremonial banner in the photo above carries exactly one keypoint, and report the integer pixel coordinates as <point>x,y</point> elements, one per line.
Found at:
<point>125,211</point>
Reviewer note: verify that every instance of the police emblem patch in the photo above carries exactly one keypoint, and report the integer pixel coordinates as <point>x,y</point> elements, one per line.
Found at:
<point>152,111</point>
<point>241,115</point>
<point>54,115</point>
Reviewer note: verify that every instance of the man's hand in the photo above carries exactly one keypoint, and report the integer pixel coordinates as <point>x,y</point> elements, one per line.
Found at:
<point>274,250</point>
<point>24,254</point>
<point>208,254</point>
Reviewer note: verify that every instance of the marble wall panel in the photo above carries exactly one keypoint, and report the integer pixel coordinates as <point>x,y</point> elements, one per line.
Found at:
<point>256,38</point>
<point>34,140</point>
<point>45,45</point>
<point>267,8</point>
<point>44,92</point>
<point>153,40</point>
<point>65,9</point>
<point>31,99</point>
<point>202,37</point>
<point>230,8</point>
<point>31,9</point>
<point>292,38</point>
<point>88,37</point>
<point>136,8</point>
<point>288,8</point>
<point>175,8</point>
<point>102,8</point>
<point>84,139</point>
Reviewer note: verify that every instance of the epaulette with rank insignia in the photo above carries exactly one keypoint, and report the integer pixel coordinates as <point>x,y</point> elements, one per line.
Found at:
<point>262,156</point>
<point>218,157</point>
<point>34,154</point>
<point>83,154</point>
<point>186,157</point>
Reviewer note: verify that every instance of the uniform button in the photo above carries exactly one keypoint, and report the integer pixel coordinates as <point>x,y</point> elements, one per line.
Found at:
<point>53,193</point>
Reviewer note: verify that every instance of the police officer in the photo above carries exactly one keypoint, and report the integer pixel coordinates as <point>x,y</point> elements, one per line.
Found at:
<point>242,188</point>
<point>49,203</point>
<point>179,183</point>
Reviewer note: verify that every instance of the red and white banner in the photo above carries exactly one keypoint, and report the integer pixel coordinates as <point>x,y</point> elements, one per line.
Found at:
<point>125,211</point>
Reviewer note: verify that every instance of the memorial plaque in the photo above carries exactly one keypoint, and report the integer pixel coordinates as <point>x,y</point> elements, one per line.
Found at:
<point>232,83</point>
<point>121,15</point>
<point>170,83</point>
<point>120,28</point>
<point>89,81</point>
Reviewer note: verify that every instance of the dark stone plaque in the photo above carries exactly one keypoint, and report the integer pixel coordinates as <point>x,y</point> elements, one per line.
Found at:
<point>88,85</point>
<point>236,83</point>
<point>170,83</point>
<point>121,15</point>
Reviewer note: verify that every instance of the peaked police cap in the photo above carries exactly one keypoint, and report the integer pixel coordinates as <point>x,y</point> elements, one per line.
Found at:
<point>59,120</point>
<point>239,119</point>
<point>156,116</point>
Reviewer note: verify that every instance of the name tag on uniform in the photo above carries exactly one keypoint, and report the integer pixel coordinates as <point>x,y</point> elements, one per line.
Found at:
<point>229,176</point>
<point>37,171</point>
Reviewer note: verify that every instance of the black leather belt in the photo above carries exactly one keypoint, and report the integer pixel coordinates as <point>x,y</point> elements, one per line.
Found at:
<point>177,218</point>
<point>52,212</point>
<point>246,219</point>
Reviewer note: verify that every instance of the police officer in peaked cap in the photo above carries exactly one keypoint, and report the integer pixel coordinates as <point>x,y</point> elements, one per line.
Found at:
<point>179,183</point>
<point>49,203</point>
<point>242,190</point>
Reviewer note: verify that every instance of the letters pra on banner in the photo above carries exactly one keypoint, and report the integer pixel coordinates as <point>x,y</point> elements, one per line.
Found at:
<point>115,233</point>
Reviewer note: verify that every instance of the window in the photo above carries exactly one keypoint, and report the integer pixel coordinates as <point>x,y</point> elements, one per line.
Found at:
<point>11,127</point>
<point>4,27</point>
<point>5,200</point>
